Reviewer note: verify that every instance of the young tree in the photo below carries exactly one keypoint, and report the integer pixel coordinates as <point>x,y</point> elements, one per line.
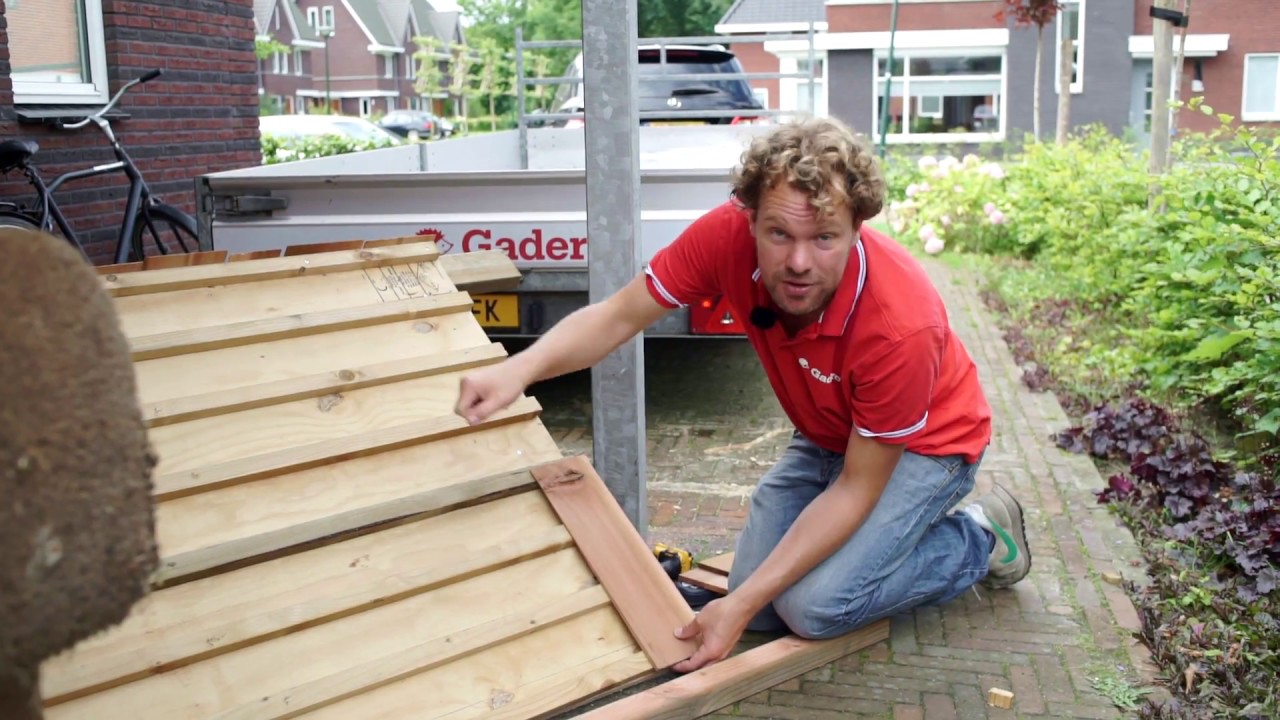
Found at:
<point>1024,14</point>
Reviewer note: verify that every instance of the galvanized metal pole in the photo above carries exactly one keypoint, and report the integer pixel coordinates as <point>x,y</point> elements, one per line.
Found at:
<point>609,59</point>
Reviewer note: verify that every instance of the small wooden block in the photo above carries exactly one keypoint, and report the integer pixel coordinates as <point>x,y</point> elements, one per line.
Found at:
<point>707,580</point>
<point>721,564</point>
<point>1000,698</point>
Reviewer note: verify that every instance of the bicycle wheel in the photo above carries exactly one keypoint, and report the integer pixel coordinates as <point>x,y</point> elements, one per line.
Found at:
<point>17,220</point>
<point>165,227</point>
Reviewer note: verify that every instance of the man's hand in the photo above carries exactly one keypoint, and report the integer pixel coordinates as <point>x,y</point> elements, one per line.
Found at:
<point>488,390</point>
<point>720,625</point>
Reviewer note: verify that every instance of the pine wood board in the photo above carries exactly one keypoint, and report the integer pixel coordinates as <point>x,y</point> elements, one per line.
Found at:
<point>229,369</point>
<point>335,543</point>
<point>720,564</point>
<point>227,525</point>
<point>736,678</point>
<point>707,580</point>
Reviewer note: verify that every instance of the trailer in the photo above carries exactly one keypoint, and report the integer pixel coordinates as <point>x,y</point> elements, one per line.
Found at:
<point>523,191</point>
<point>471,193</point>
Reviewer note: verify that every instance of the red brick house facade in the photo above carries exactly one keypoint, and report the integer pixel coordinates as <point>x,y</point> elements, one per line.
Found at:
<point>369,48</point>
<point>962,75</point>
<point>200,116</point>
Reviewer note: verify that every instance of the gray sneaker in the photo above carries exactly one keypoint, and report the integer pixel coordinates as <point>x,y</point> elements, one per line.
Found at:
<point>1000,514</point>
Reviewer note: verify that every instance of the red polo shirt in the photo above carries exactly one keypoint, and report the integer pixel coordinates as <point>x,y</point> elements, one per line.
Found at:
<point>882,359</point>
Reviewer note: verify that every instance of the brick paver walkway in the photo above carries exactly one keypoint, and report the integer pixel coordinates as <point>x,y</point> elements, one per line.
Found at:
<point>1061,640</point>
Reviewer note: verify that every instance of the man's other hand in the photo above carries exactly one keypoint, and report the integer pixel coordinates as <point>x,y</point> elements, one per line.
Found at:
<point>719,626</point>
<point>488,390</point>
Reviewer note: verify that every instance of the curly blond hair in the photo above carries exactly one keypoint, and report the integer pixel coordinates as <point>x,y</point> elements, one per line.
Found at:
<point>819,156</point>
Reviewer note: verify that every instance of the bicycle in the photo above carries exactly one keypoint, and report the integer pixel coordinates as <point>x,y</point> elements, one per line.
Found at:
<point>143,211</point>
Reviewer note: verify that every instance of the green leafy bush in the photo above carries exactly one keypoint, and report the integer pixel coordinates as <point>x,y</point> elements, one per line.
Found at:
<point>1180,297</point>
<point>277,149</point>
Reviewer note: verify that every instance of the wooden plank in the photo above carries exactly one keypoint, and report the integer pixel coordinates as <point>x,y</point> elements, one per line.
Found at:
<point>119,268</point>
<point>313,248</point>
<point>498,678</point>
<point>210,257</point>
<point>428,502</point>
<point>253,255</point>
<point>227,369</point>
<point>212,616</point>
<point>345,380</point>
<point>135,283</point>
<point>195,308</point>
<point>308,653</point>
<point>210,338</point>
<point>649,603</point>
<point>720,564</point>
<point>185,482</point>
<point>223,526</point>
<point>416,659</point>
<point>483,271</point>
<point>713,687</point>
<point>383,242</point>
<point>554,695</point>
<point>707,580</point>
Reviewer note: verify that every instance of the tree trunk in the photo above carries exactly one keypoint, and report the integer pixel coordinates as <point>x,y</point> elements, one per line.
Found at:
<point>493,114</point>
<point>1035,99</point>
<point>1161,80</point>
<point>1064,90</point>
<point>1177,73</point>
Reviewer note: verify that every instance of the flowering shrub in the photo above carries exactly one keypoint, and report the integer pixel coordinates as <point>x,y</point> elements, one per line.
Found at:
<point>956,204</point>
<point>1133,304</point>
<point>277,149</point>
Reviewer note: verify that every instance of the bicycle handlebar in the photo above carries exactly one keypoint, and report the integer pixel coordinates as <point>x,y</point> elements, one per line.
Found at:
<point>152,75</point>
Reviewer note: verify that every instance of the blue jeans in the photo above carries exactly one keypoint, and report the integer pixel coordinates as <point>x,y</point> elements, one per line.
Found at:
<point>908,552</point>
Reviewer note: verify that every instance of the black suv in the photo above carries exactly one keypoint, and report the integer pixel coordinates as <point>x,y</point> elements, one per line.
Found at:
<point>675,98</point>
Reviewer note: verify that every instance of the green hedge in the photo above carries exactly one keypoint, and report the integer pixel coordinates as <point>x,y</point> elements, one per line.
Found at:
<point>1179,298</point>
<point>278,149</point>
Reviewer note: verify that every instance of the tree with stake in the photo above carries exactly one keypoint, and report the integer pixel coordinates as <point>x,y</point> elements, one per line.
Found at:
<point>1024,14</point>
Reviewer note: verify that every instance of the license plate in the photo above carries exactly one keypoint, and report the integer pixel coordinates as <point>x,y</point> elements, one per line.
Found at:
<point>496,311</point>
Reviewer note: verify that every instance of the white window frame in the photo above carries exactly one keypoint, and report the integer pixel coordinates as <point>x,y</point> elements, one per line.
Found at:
<point>297,62</point>
<point>313,17</point>
<point>1246,115</point>
<point>95,91</point>
<point>1078,85</point>
<point>789,89</point>
<point>904,56</point>
<point>327,19</point>
<point>366,106</point>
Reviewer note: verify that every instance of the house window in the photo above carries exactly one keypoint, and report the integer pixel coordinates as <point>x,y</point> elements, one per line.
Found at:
<point>938,96</point>
<point>326,17</point>
<point>57,51</point>
<point>389,66</point>
<point>1261,87</point>
<point>313,18</point>
<point>1071,22</point>
<point>366,107</point>
<point>794,93</point>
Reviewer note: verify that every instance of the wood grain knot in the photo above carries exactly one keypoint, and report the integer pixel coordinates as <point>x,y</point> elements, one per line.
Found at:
<point>566,477</point>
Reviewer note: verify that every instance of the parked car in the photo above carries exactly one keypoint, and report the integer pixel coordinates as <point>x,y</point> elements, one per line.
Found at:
<point>676,98</point>
<point>299,126</point>
<point>425,124</point>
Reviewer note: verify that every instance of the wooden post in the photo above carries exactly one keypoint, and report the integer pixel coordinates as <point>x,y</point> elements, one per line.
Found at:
<point>1161,80</point>
<point>1064,88</point>
<point>1177,70</point>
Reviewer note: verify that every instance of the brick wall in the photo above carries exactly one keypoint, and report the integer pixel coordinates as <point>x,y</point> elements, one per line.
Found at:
<point>1253,29</point>
<point>201,116</point>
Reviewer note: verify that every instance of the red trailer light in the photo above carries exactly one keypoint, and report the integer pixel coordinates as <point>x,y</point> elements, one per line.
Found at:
<point>713,316</point>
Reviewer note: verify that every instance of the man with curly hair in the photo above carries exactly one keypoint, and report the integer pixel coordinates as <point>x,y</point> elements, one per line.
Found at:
<point>852,524</point>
